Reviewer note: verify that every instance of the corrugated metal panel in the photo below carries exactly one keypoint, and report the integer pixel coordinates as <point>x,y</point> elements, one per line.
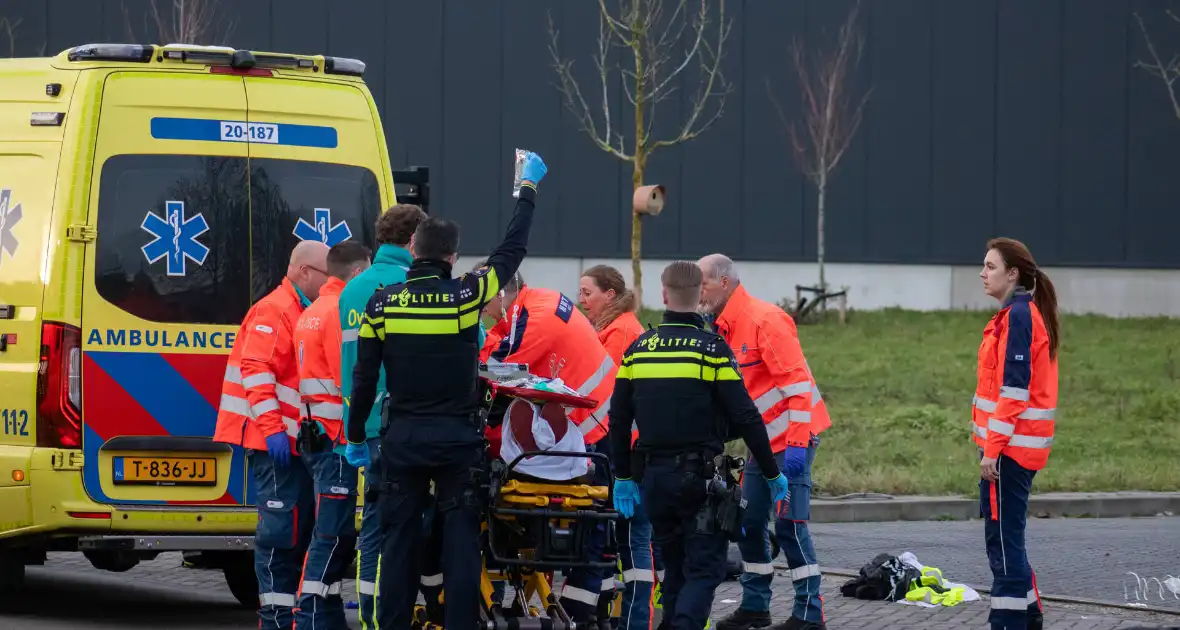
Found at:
<point>988,117</point>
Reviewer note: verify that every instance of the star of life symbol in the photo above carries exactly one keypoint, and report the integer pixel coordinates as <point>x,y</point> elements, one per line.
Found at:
<point>321,231</point>
<point>176,238</point>
<point>10,215</point>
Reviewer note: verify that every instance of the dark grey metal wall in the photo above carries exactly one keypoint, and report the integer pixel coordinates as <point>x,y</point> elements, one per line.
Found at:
<point>1015,117</point>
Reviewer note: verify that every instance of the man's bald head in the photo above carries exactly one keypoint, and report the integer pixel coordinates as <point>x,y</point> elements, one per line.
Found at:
<point>309,253</point>
<point>308,267</point>
<point>720,279</point>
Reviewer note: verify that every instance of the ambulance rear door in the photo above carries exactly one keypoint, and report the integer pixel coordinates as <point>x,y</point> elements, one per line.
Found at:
<point>168,284</point>
<point>316,170</point>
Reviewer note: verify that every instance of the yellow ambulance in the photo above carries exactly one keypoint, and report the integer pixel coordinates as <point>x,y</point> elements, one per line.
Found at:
<point>148,196</point>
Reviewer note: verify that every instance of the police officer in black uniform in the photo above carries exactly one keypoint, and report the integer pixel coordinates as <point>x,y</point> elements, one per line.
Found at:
<point>425,331</point>
<point>680,384</point>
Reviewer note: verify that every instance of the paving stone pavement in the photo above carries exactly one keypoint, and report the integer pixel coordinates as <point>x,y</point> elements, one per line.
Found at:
<point>1076,557</point>
<point>843,613</point>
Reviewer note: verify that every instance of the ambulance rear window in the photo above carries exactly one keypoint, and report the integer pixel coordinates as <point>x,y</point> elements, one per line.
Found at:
<point>174,237</point>
<point>194,239</point>
<point>294,201</point>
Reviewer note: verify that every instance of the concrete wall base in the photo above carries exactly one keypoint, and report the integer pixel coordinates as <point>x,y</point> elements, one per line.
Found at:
<point>1112,292</point>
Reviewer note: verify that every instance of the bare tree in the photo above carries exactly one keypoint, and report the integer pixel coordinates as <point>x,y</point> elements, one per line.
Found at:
<point>831,114</point>
<point>196,22</point>
<point>1167,72</point>
<point>656,47</point>
<point>8,28</point>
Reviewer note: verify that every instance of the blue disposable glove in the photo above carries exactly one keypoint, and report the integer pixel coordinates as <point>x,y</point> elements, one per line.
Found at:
<point>794,461</point>
<point>357,455</point>
<point>626,497</point>
<point>778,489</point>
<point>534,168</point>
<point>279,448</point>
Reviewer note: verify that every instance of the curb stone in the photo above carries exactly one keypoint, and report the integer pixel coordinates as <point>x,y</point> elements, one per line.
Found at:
<point>1047,505</point>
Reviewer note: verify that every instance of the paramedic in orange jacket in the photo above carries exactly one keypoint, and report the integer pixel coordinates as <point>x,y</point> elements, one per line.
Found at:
<point>1013,410</point>
<point>543,328</point>
<point>766,344</point>
<point>260,411</point>
<point>611,307</point>
<point>317,347</point>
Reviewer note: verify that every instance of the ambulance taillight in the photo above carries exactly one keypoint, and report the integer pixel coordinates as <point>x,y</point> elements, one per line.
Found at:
<point>59,387</point>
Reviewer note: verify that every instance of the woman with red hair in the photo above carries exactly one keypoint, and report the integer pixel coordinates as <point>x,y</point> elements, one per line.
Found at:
<point>1014,412</point>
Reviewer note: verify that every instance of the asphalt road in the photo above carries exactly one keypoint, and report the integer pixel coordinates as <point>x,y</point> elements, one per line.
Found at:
<point>67,594</point>
<point>61,596</point>
<point>1077,557</point>
<point>1084,557</point>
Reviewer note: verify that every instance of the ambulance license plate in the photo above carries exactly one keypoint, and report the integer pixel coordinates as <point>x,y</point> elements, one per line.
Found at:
<point>165,471</point>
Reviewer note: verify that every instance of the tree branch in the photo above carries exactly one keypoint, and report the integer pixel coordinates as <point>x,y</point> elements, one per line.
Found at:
<point>1167,73</point>
<point>195,22</point>
<point>10,27</point>
<point>698,36</point>
<point>712,88</point>
<point>617,27</point>
<point>572,96</point>
<point>831,116</point>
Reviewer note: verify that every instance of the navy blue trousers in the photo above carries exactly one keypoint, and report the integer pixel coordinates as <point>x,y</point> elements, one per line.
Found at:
<point>414,453</point>
<point>1003,505</point>
<point>694,563</point>
<point>286,515</point>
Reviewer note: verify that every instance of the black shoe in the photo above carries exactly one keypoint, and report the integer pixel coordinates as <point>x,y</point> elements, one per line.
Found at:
<point>795,623</point>
<point>743,619</point>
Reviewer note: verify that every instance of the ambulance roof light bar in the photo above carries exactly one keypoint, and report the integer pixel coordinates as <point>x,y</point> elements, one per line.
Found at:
<point>111,52</point>
<point>199,47</point>
<point>344,65</point>
<point>213,55</point>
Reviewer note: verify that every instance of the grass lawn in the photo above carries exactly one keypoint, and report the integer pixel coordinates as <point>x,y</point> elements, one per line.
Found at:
<point>898,385</point>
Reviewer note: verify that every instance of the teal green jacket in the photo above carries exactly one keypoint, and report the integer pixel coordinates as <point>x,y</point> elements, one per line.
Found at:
<point>389,267</point>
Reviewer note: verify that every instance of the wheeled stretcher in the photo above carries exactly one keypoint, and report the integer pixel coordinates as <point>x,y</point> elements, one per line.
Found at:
<point>533,527</point>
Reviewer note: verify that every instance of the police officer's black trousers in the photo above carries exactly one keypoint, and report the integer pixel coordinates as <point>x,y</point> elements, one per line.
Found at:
<point>694,563</point>
<point>414,453</point>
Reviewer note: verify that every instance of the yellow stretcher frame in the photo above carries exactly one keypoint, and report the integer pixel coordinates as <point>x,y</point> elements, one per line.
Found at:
<point>556,503</point>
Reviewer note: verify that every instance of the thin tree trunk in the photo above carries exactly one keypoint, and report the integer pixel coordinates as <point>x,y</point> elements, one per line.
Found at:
<point>637,230</point>
<point>637,177</point>
<point>819,229</point>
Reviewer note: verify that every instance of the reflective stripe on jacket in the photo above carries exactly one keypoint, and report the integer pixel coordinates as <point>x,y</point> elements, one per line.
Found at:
<point>1015,405</point>
<point>260,395</point>
<point>317,347</point>
<point>616,337</point>
<point>546,331</point>
<point>766,343</point>
<point>389,268</point>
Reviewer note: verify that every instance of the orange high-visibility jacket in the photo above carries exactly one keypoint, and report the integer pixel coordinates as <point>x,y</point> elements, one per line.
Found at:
<point>546,331</point>
<point>1015,404</point>
<point>317,346</point>
<point>260,395</point>
<point>616,337</point>
<point>620,334</point>
<point>766,343</point>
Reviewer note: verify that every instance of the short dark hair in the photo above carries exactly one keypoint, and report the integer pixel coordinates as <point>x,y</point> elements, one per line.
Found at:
<point>512,284</point>
<point>682,281</point>
<point>436,239</point>
<point>396,225</point>
<point>346,256</point>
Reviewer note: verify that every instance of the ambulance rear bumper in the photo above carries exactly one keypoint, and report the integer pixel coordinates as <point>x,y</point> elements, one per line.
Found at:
<point>167,543</point>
